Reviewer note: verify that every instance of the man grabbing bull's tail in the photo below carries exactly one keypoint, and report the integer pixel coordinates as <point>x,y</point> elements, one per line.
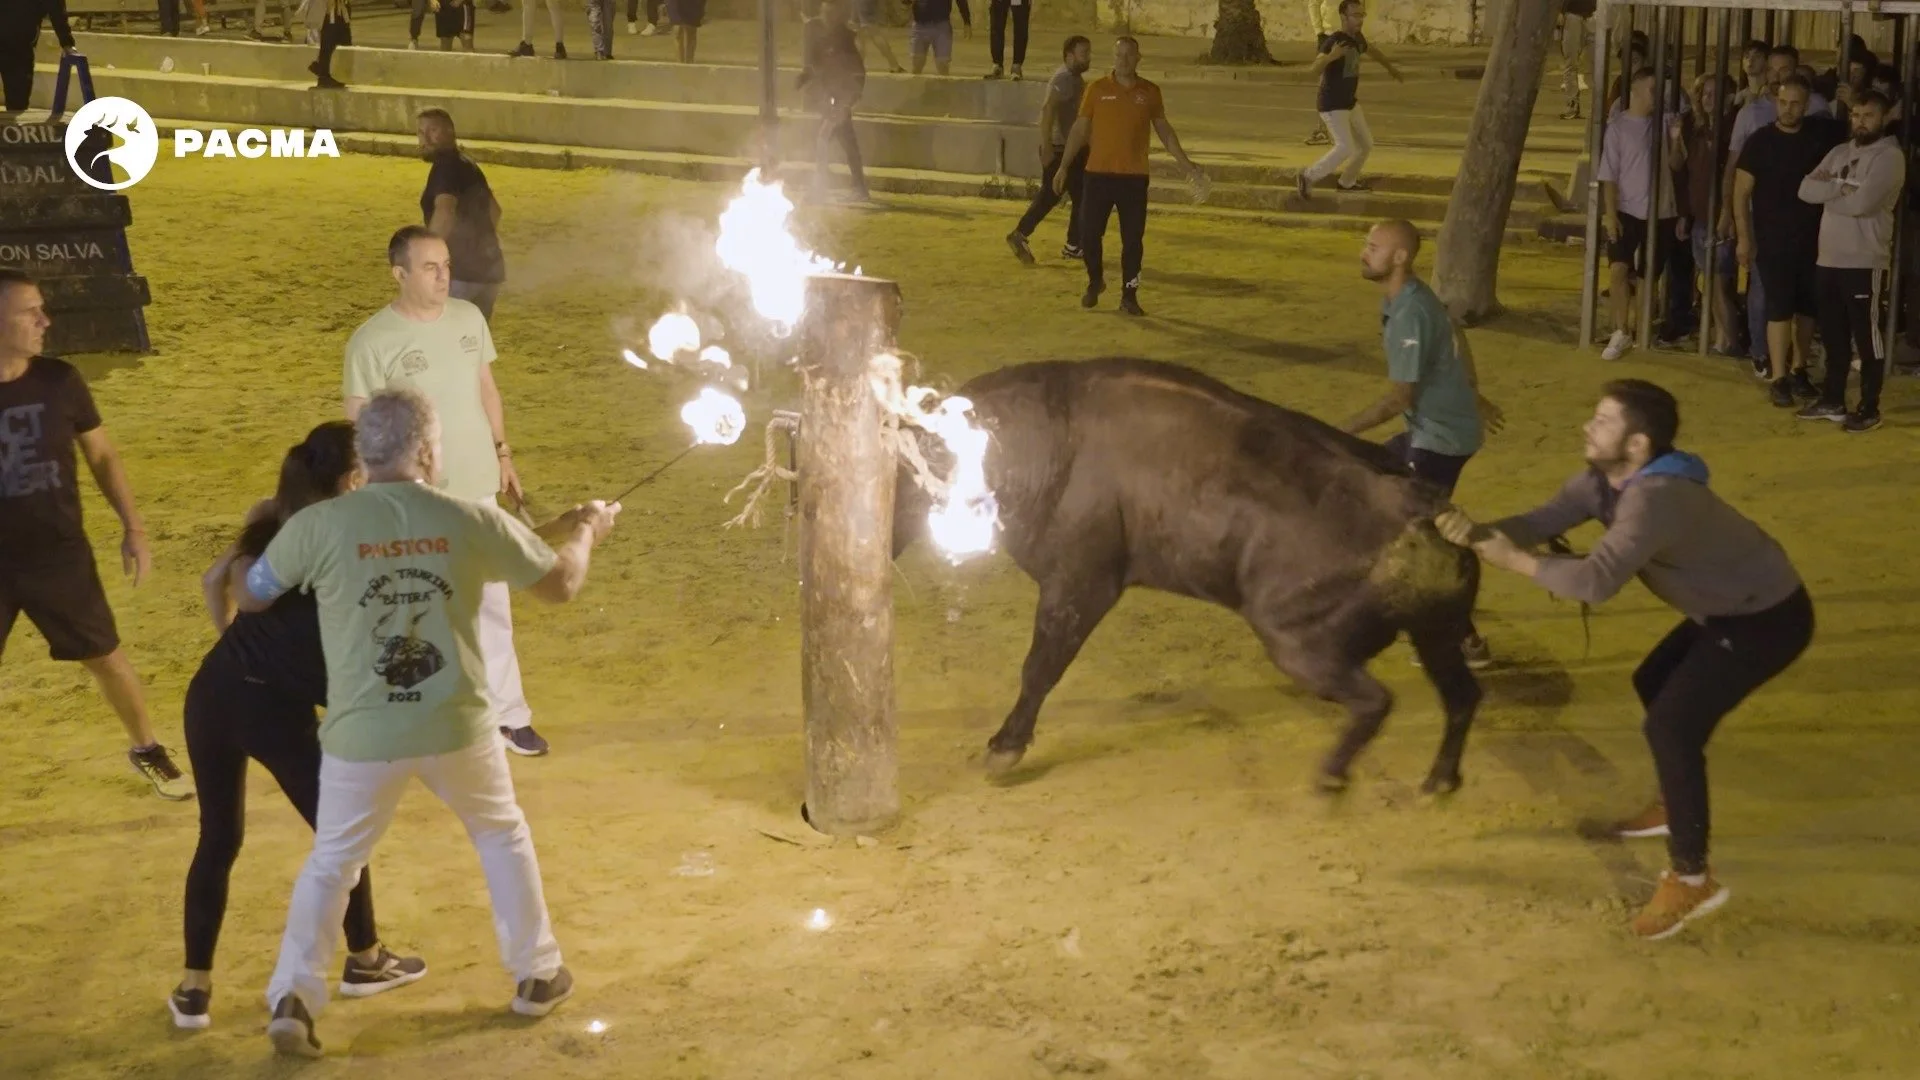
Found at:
<point>1748,616</point>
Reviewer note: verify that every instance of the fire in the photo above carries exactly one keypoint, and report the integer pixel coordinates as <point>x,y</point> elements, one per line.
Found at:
<point>716,418</point>
<point>717,356</point>
<point>756,244</point>
<point>965,515</point>
<point>633,358</point>
<point>673,334</point>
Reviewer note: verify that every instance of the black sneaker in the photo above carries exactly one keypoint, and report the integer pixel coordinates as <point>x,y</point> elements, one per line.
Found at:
<point>524,741</point>
<point>387,972</point>
<point>559,51</point>
<point>1091,298</point>
<point>1303,185</point>
<point>1068,251</point>
<point>538,997</point>
<point>291,1030</point>
<point>1781,393</point>
<point>1820,410</point>
<point>1802,386</point>
<point>994,74</point>
<point>156,767</point>
<point>328,82</point>
<point>1861,420</point>
<point>525,48</point>
<point>1478,654</point>
<point>1020,249</point>
<point>1130,303</point>
<point>189,1008</point>
<point>1762,369</point>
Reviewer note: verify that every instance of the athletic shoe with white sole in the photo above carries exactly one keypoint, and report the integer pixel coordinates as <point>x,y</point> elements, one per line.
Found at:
<point>524,741</point>
<point>189,1008</point>
<point>1617,346</point>
<point>1676,903</point>
<point>538,997</point>
<point>1647,823</point>
<point>156,767</point>
<point>387,972</point>
<point>291,1030</point>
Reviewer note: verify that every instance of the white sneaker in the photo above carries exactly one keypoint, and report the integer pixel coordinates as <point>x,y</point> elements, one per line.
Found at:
<point>633,28</point>
<point>649,30</point>
<point>413,44</point>
<point>1617,346</point>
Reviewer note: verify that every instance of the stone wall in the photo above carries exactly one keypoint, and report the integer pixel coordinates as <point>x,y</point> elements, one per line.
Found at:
<point>1426,22</point>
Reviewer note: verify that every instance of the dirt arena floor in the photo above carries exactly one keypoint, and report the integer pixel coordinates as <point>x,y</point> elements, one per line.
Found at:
<point>1155,894</point>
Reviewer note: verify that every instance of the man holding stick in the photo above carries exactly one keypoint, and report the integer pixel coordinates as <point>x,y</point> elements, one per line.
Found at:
<point>442,346</point>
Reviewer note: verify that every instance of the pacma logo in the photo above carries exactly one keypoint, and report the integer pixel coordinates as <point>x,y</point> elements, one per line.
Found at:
<point>112,143</point>
<point>254,143</point>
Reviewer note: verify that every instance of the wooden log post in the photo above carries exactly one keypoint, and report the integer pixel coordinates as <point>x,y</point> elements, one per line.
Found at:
<point>847,470</point>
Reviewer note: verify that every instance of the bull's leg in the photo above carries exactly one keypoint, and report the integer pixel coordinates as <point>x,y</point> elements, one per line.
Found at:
<point>1068,612</point>
<point>1446,668</point>
<point>1334,678</point>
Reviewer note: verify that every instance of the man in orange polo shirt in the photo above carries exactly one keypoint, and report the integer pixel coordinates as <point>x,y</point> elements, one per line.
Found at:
<point>1116,114</point>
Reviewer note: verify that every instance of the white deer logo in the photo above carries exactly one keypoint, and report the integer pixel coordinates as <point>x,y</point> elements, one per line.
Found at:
<point>110,132</point>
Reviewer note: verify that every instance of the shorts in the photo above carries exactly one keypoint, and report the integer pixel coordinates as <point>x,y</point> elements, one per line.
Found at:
<point>1702,236</point>
<point>452,22</point>
<point>686,12</point>
<point>937,36</point>
<point>61,595</point>
<point>1790,286</point>
<point>1440,470</point>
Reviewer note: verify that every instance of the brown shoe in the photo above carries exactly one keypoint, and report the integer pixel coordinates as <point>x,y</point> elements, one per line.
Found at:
<point>1649,822</point>
<point>1676,903</point>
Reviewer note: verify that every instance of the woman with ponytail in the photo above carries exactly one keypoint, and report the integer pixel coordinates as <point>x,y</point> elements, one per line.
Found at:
<point>255,697</point>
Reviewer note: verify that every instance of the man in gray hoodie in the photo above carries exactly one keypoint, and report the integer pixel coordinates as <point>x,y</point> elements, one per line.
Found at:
<point>1748,616</point>
<point>1858,185</point>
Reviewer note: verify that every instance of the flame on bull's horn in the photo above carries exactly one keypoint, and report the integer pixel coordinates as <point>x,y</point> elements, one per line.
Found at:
<point>964,519</point>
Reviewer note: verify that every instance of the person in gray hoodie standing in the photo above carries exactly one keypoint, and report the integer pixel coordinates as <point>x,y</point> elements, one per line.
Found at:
<point>1858,186</point>
<point>1748,617</point>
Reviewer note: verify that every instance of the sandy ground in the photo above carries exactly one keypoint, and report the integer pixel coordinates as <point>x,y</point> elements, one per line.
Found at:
<point>1154,894</point>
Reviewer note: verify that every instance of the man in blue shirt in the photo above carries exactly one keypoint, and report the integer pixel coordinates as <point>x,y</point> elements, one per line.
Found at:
<point>1434,384</point>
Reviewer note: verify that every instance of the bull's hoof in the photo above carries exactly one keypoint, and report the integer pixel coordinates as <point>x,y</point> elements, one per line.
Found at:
<point>1330,784</point>
<point>1438,784</point>
<point>1001,762</point>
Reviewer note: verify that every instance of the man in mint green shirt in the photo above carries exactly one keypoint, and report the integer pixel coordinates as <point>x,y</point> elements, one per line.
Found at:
<point>398,570</point>
<point>1433,385</point>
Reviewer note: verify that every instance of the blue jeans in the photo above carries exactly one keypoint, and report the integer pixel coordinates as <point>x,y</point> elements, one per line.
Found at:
<point>1757,314</point>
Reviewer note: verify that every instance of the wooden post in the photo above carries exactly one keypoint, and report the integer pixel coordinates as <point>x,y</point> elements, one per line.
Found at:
<point>846,558</point>
<point>769,94</point>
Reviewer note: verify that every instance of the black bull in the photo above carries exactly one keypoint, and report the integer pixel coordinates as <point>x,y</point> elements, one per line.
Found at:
<point>1113,473</point>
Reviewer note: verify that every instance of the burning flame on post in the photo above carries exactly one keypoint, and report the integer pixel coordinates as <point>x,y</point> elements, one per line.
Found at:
<point>755,243</point>
<point>965,516</point>
<point>717,356</point>
<point>673,334</point>
<point>716,418</point>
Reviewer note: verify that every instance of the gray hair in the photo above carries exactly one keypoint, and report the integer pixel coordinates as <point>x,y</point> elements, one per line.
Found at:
<point>395,429</point>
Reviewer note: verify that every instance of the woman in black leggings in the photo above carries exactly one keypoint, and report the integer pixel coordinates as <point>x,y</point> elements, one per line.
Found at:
<point>254,697</point>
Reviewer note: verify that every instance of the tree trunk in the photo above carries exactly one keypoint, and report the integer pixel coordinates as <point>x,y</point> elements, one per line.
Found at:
<point>1467,267</point>
<point>1238,35</point>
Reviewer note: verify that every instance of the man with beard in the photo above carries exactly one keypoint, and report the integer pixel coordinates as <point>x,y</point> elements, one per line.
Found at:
<point>1778,232</point>
<point>1748,617</point>
<point>457,206</point>
<point>1057,114</point>
<point>1857,185</point>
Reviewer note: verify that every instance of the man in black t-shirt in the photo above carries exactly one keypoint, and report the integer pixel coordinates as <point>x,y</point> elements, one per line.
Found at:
<point>1779,234</point>
<point>47,572</point>
<point>1338,66</point>
<point>459,207</point>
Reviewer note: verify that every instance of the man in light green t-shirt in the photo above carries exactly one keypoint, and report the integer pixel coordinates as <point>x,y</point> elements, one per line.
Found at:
<point>398,570</point>
<point>442,347</point>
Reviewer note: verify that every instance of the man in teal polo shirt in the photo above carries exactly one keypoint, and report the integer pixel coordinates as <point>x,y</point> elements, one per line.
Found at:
<point>1434,385</point>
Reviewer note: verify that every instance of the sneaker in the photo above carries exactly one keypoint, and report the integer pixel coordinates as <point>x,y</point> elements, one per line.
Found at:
<point>328,82</point>
<point>1020,248</point>
<point>559,51</point>
<point>1319,138</point>
<point>525,48</point>
<point>189,1008</point>
<point>1676,903</point>
<point>1647,823</point>
<point>1130,303</point>
<point>1820,410</point>
<point>1861,420</point>
<point>634,27</point>
<point>156,767</point>
<point>1355,188</point>
<point>1762,369</point>
<point>1802,386</point>
<point>1781,393</point>
<point>1303,185</point>
<point>1478,653</point>
<point>524,741</point>
<point>1068,251</point>
<point>996,73</point>
<point>1570,114</point>
<point>387,972</point>
<point>538,997</point>
<point>202,30</point>
<point>291,1030</point>
<point>1617,346</point>
<point>649,30</point>
<point>413,44</point>
<point>1018,74</point>
<point>1092,296</point>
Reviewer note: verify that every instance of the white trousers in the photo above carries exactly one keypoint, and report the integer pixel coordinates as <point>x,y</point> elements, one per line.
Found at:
<point>357,802</point>
<point>1352,142</point>
<point>510,708</point>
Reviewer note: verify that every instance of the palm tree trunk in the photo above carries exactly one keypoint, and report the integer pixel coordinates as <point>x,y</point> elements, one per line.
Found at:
<point>1238,35</point>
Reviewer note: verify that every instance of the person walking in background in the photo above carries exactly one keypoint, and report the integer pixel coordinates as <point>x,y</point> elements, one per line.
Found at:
<point>1856,186</point>
<point>1116,115</point>
<point>258,31</point>
<point>457,206</point>
<point>525,48</point>
<point>933,32</point>
<point>871,33</point>
<point>652,25</point>
<point>47,569</point>
<point>1324,17</point>
<point>19,29</point>
<point>1747,615</point>
<point>998,11</point>
<point>336,29</point>
<point>255,697</point>
<point>398,570</point>
<point>1057,115</point>
<point>833,75</point>
<point>1574,54</point>
<point>1338,66</point>
<point>600,28</point>
<point>686,17</point>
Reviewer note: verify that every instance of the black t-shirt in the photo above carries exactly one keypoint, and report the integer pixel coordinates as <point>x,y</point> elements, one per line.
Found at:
<point>41,414</point>
<point>1340,80</point>
<point>280,647</point>
<point>474,246</point>
<point>1786,225</point>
